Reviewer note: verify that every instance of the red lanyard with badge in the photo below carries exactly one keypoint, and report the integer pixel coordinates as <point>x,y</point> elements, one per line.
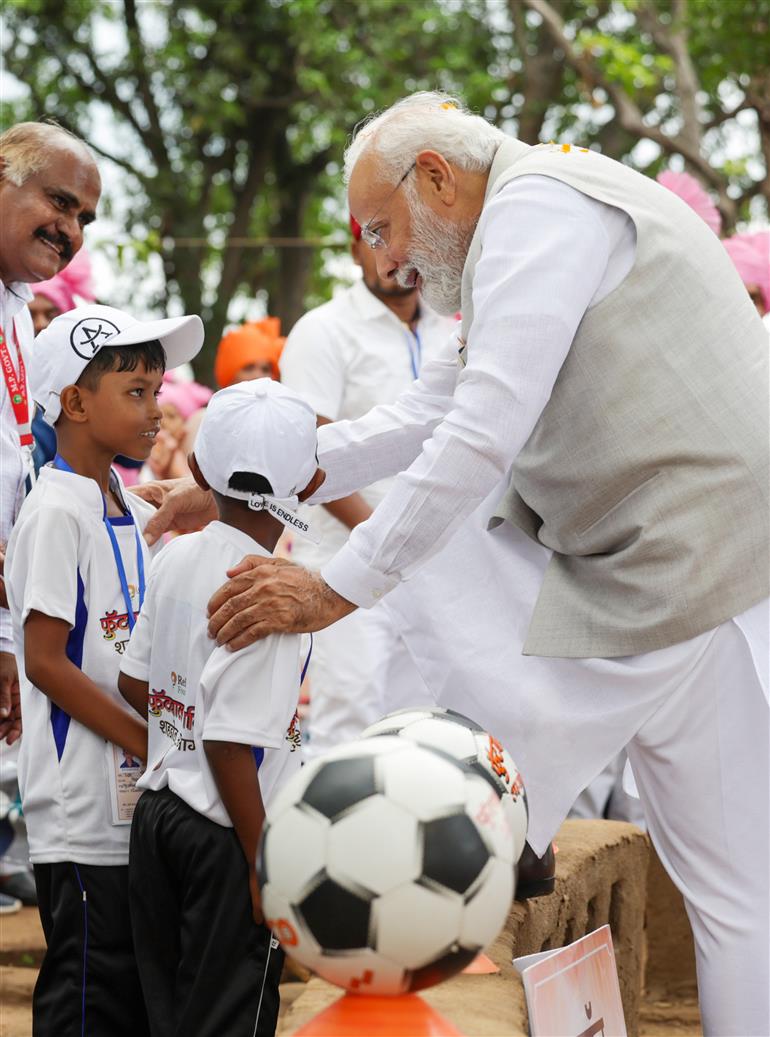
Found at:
<point>16,385</point>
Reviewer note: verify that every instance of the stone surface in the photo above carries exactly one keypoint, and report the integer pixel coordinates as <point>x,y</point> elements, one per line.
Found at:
<point>15,1001</point>
<point>670,966</point>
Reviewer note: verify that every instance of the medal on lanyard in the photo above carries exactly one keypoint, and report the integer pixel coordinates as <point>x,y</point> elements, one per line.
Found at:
<point>17,387</point>
<point>415,352</point>
<point>61,464</point>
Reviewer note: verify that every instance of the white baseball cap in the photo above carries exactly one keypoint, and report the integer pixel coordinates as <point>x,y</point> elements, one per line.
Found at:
<point>263,428</point>
<point>62,351</point>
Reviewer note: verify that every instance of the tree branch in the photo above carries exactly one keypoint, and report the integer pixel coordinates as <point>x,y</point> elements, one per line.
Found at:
<point>123,163</point>
<point>540,76</point>
<point>718,120</point>
<point>629,114</point>
<point>66,43</point>
<point>674,41</point>
<point>138,57</point>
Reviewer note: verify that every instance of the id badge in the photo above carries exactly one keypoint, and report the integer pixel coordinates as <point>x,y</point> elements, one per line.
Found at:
<point>123,771</point>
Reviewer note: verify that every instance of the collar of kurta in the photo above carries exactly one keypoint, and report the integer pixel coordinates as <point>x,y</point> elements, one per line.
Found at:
<point>369,307</point>
<point>14,297</point>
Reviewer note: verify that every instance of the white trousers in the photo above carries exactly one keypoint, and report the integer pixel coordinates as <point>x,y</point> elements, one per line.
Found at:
<point>701,767</point>
<point>359,671</point>
<point>694,716</point>
<point>606,797</point>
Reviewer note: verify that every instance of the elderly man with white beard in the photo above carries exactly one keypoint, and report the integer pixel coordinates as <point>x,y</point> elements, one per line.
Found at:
<point>582,506</point>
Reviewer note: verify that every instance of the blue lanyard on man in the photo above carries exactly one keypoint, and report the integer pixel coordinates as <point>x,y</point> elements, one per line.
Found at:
<point>61,464</point>
<point>414,346</point>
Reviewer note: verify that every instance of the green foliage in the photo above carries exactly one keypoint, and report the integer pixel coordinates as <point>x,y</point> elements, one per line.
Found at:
<point>228,118</point>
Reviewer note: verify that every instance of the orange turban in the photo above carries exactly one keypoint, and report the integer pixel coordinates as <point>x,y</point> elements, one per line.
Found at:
<point>251,343</point>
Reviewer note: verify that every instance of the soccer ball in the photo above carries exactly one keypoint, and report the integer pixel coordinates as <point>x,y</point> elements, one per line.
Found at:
<point>386,866</point>
<point>462,738</point>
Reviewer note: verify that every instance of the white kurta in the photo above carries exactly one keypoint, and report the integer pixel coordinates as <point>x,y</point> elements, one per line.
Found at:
<point>529,302</point>
<point>14,315</point>
<point>695,714</point>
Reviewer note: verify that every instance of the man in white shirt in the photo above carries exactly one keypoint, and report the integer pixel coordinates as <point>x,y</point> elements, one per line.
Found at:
<point>613,366</point>
<point>362,348</point>
<point>49,188</point>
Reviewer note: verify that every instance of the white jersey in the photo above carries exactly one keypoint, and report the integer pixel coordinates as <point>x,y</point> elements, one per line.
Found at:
<point>345,357</point>
<point>198,690</point>
<point>61,563</point>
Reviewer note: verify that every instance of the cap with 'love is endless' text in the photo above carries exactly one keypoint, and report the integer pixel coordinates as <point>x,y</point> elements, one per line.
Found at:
<point>260,428</point>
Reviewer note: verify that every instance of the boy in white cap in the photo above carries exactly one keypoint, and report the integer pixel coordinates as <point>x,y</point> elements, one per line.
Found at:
<point>223,733</point>
<point>75,580</point>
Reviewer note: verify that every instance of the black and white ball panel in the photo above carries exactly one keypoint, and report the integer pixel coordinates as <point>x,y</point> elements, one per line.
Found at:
<point>388,865</point>
<point>340,785</point>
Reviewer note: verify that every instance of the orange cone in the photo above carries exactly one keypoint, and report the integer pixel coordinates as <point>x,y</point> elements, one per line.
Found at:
<point>358,1015</point>
<point>480,966</point>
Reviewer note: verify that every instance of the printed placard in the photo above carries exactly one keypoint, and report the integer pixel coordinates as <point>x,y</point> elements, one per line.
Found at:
<point>574,991</point>
<point>123,771</point>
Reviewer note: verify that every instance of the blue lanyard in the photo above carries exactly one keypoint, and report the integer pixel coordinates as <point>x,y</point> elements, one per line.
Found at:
<point>307,661</point>
<point>61,464</point>
<point>415,352</point>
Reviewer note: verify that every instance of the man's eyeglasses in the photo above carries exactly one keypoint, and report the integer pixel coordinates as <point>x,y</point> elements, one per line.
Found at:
<point>373,238</point>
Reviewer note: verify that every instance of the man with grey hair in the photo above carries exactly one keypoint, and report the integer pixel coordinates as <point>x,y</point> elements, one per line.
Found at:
<point>582,504</point>
<point>49,187</point>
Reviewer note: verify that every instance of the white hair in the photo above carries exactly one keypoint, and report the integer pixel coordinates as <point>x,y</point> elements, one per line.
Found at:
<point>430,120</point>
<point>25,148</point>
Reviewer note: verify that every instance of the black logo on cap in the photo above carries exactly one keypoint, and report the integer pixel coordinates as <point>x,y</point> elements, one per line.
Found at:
<point>89,335</point>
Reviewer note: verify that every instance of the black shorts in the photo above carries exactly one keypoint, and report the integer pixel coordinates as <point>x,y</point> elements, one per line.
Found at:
<point>206,967</point>
<point>88,983</point>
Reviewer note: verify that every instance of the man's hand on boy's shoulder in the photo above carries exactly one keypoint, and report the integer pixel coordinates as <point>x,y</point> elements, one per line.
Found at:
<point>10,699</point>
<point>272,596</point>
<point>181,503</point>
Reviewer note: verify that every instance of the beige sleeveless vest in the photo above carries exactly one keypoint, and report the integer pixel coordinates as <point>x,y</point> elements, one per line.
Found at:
<point>648,471</point>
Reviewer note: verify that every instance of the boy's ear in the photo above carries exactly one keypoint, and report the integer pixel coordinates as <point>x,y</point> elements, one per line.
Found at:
<point>73,403</point>
<point>315,483</point>
<point>197,474</point>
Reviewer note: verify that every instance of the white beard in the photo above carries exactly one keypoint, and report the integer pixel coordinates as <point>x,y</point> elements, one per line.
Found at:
<point>438,252</point>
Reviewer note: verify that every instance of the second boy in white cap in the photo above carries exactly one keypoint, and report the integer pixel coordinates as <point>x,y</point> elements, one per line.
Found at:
<point>223,731</point>
<point>75,578</point>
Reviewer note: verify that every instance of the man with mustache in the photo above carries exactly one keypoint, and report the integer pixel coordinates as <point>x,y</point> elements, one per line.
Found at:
<point>596,473</point>
<point>49,188</point>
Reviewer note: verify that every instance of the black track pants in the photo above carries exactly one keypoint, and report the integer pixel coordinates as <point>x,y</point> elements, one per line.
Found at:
<point>88,984</point>
<point>206,968</point>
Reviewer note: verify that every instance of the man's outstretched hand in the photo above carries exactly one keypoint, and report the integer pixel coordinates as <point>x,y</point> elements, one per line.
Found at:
<point>272,596</point>
<point>181,505</point>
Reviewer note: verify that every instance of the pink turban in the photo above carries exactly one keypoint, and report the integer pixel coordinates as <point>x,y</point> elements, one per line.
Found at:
<point>751,255</point>
<point>689,190</point>
<point>187,397</point>
<point>73,280</point>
